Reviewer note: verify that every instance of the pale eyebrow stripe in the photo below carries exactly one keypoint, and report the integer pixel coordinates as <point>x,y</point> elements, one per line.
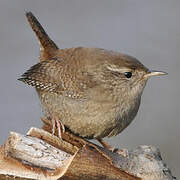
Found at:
<point>121,70</point>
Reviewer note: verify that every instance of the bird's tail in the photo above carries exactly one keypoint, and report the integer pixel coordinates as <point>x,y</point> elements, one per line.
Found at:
<point>48,47</point>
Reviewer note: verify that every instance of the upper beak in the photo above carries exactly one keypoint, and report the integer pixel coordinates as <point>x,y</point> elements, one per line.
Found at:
<point>155,73</point>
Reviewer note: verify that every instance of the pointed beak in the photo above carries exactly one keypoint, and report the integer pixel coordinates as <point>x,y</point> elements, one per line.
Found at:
<point>154,73</point>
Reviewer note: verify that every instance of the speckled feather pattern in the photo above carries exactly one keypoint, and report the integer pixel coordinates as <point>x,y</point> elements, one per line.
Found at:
<point>89,98</point>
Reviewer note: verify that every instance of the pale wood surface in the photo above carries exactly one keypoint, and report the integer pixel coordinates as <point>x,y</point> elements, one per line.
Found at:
<point>41,155</point>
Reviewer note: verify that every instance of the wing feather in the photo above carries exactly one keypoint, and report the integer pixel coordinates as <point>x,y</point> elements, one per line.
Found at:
<point>53,76</point>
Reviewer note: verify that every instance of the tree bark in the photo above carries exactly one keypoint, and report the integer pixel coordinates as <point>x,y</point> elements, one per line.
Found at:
<point>41,155</point>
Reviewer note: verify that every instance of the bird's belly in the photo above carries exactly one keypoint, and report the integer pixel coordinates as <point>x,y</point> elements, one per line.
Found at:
<point>85,118</point>
<point>126,113</point>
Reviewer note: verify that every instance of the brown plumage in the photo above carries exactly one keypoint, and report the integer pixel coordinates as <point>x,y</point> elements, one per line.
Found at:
<point>93,92</point>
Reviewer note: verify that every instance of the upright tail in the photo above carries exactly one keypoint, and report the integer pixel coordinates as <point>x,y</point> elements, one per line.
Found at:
<point>48,47</point>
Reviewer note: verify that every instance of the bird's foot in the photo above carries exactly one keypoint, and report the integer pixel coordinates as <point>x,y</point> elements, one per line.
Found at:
<point>122,152</point>
<point>56,123</point>
<point>60,126</point>
<point>106,145</point>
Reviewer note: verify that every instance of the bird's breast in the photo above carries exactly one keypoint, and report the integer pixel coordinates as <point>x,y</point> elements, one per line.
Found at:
<point>125,113</point>
<point>89,118</point>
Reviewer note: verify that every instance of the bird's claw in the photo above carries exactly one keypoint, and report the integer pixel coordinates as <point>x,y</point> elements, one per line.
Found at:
<point>60,127</point>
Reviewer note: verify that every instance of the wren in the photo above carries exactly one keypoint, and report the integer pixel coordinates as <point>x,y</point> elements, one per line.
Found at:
<point>92,92</point>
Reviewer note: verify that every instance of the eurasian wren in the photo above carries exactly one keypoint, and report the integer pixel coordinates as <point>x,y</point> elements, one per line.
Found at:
<point>93,92</point>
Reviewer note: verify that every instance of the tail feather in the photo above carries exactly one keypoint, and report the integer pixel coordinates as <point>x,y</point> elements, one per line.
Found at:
<point>47,45</point>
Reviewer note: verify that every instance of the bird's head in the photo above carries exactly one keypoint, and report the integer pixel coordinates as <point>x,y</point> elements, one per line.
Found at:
<point>126,73</point>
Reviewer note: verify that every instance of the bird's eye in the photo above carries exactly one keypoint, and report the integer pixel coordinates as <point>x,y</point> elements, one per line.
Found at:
<point>128,74</point>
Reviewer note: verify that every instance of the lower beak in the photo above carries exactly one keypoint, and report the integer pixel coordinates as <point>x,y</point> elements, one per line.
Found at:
<point>155,73</point>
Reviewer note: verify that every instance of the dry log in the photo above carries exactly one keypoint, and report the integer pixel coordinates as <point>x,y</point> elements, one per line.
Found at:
<point>41,155</point>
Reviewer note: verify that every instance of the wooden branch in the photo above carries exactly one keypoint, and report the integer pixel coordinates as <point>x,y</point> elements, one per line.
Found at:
<point>41,155</point>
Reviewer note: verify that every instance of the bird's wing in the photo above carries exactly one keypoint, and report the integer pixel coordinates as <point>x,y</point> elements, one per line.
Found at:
<point>53,76</point>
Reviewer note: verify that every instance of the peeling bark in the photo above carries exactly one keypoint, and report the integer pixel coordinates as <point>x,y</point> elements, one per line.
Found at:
<point>41,155</point>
